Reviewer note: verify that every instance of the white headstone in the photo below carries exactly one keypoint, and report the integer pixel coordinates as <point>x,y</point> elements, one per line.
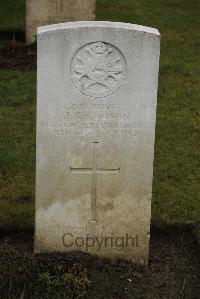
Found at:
<point>46,12</point>
<point>96,113</point>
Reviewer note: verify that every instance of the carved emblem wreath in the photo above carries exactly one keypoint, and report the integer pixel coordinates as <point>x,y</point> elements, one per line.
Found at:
<point>98,69</point>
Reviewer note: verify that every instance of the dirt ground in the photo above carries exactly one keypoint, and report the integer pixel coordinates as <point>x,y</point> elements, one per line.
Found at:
<point>174,269</point>
<point>16,55</point>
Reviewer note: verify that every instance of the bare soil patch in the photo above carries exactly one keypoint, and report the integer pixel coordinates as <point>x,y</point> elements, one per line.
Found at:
<point>173,271</point>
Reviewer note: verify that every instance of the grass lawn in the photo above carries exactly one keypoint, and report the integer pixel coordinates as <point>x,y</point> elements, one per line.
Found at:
<point>12,15</point>
<point>17,149</point>
<point>175,187</point>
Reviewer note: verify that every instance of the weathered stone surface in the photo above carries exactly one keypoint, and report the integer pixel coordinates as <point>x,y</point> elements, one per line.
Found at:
<point>96,113</point>
<point>46,12</point>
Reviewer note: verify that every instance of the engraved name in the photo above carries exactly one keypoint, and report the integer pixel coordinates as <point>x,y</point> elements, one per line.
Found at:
<point>95,120</point>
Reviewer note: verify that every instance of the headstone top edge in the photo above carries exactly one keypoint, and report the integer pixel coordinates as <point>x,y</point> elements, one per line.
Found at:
<point>97,24</point>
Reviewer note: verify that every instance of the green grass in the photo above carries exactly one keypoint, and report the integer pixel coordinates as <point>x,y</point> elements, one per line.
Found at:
<point>176,187</point>
<point>17,149</point>
<point>12,15</point>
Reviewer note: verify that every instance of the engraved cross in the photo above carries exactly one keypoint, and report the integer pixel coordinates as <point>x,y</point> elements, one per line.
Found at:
<point>94,171</point>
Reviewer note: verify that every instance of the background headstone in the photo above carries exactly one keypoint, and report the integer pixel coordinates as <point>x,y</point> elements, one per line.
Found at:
<point>45,12</point>
<point>96,113</point>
